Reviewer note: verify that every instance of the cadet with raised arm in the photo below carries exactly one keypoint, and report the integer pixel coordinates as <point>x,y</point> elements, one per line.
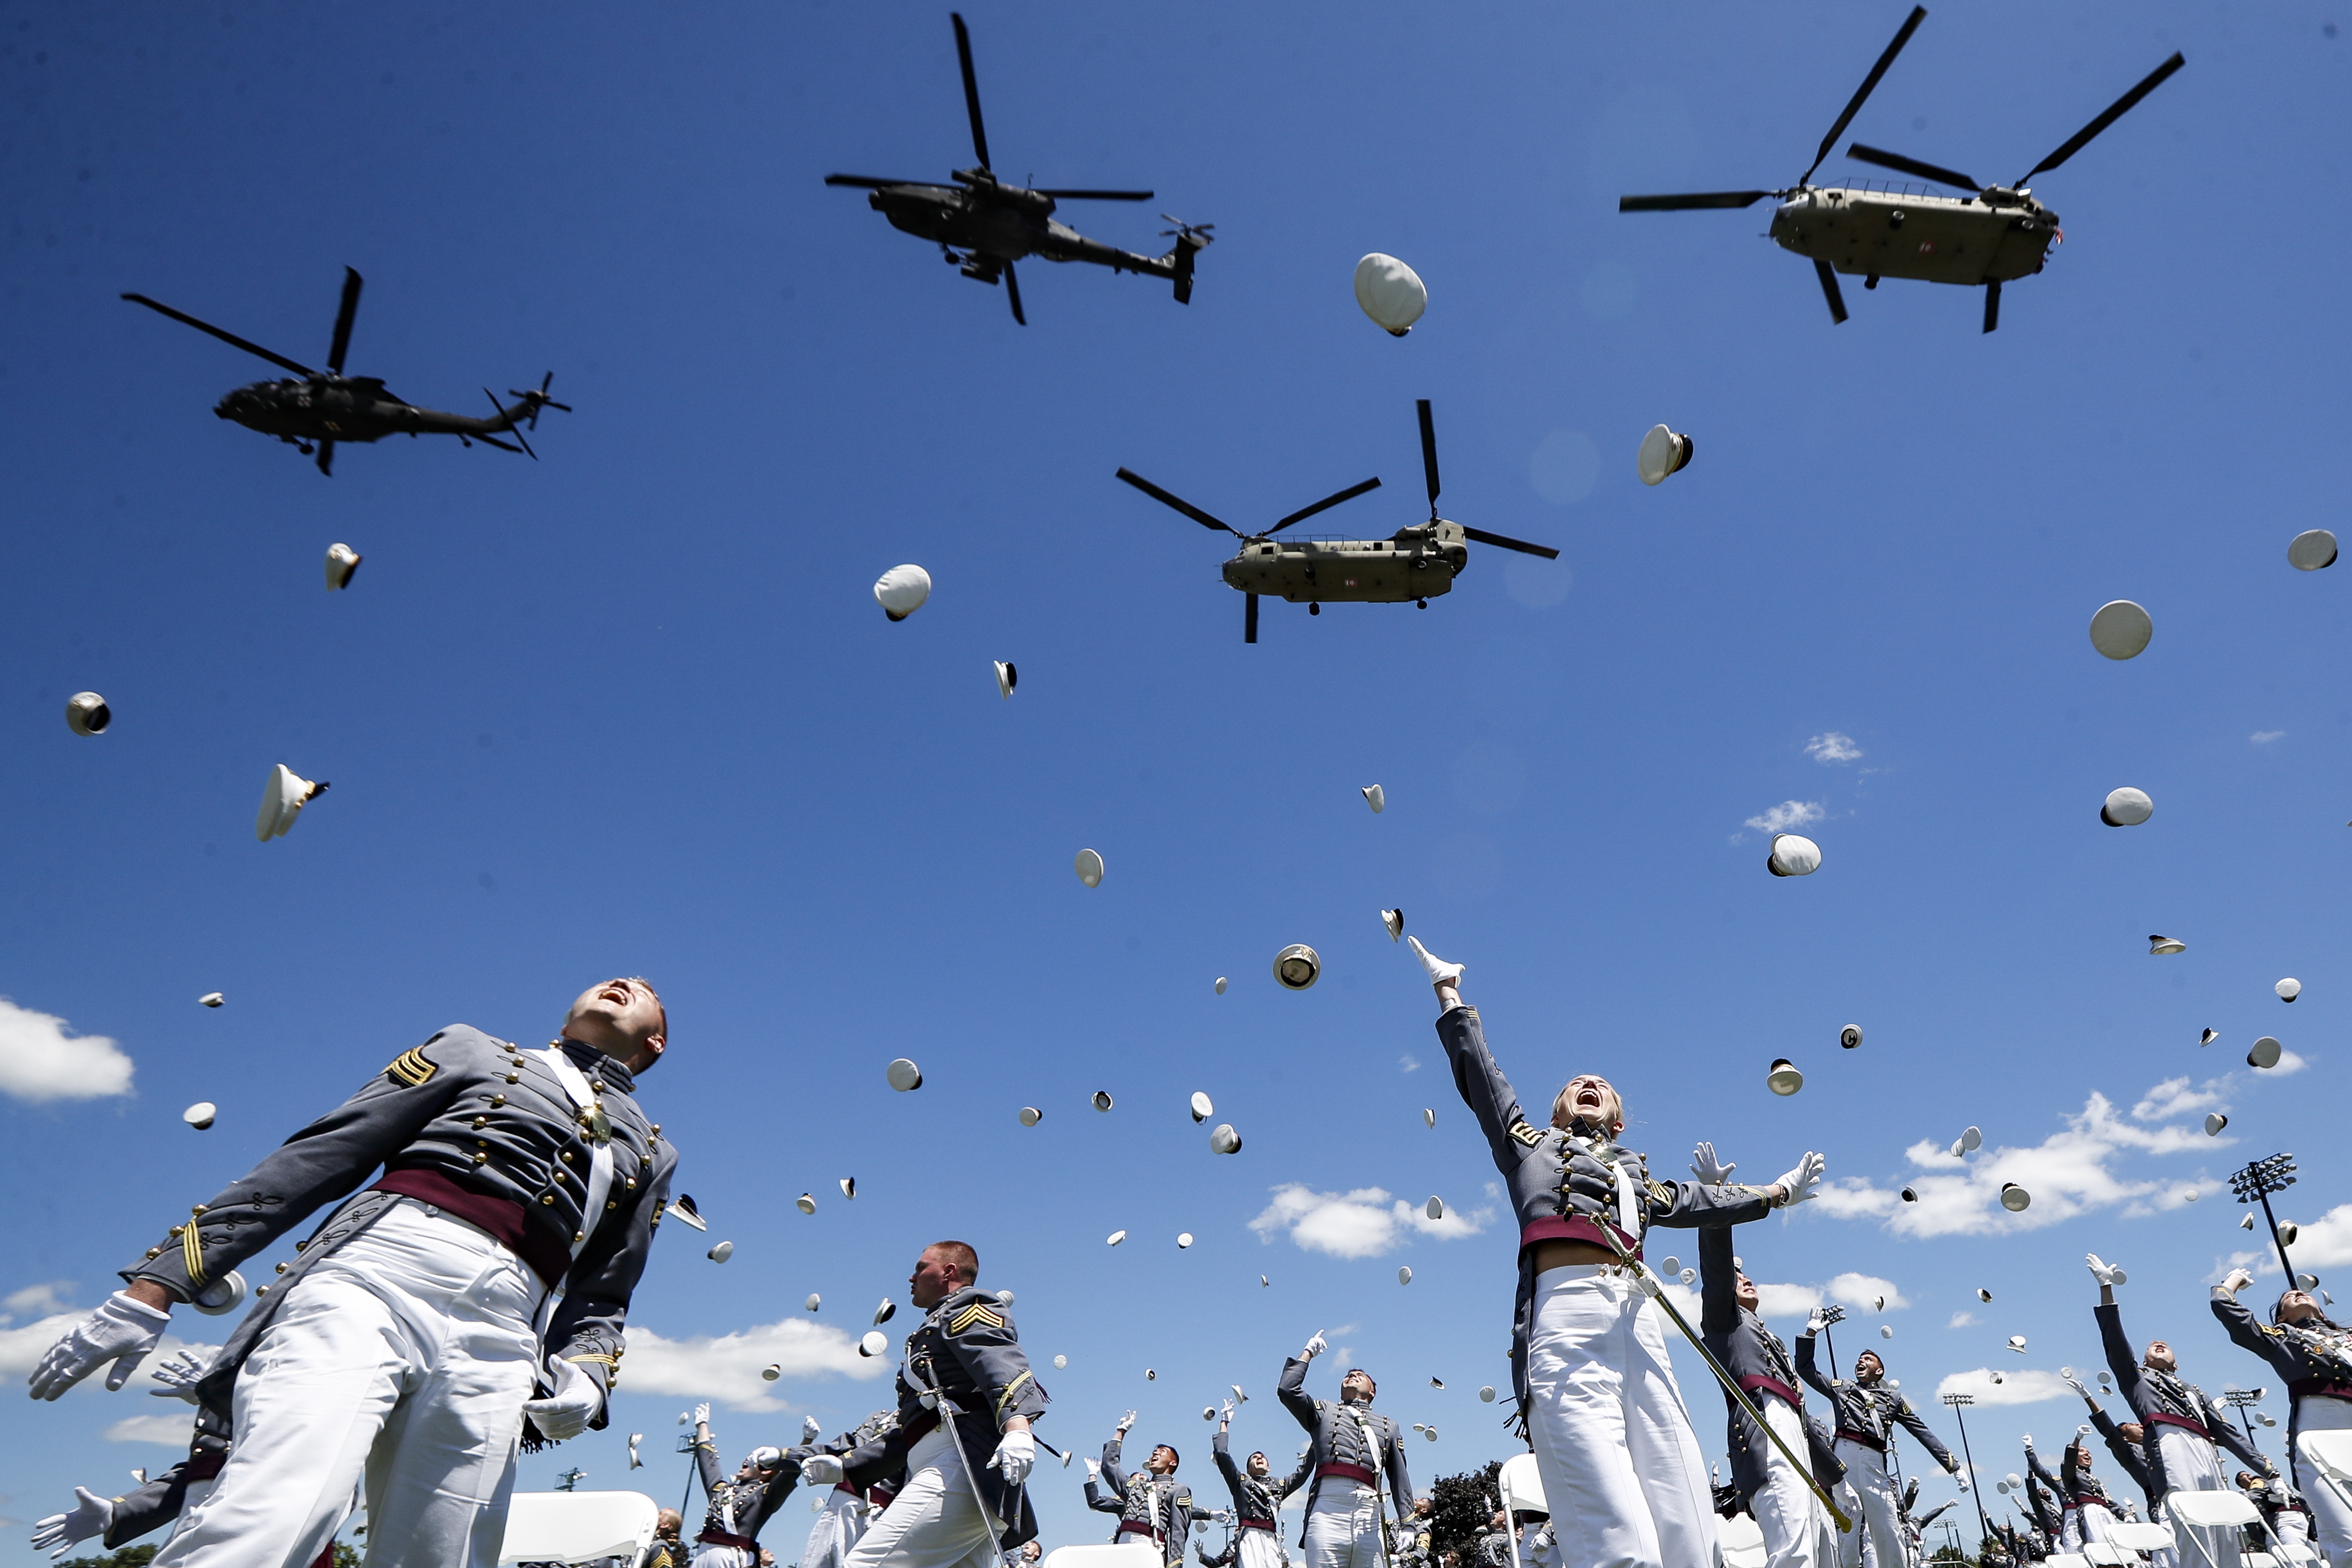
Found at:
<point>1349,1449</point>
<point>1797,1531</point>
<point>2124,1441</point>
<point>1865,1412</point>
<point>1597,1396</point>
<point>1151,1504</point>
<point>2315,1356</point>
<point>739,1505</point>
<point>1257,1497</point>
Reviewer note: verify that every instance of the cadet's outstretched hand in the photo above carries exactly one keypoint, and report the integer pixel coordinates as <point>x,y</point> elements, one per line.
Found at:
<point>822,1469</point>
<point>1315,1347</point>
<point>2238,1280</point>
<point>57,1533</point>
<point>121,1331</point>
<point>1127,1424</point>
<point>180,1374</point>
<point>1440,973</point>
<point>2105,1273</point>
<point>1710,1171</point>
<point>1799,1185</point>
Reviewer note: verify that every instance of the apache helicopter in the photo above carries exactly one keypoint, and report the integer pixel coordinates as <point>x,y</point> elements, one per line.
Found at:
<point>998,224</point>
<point>1995,234</point>
<point>330,407</point>
<point>1417,562</point>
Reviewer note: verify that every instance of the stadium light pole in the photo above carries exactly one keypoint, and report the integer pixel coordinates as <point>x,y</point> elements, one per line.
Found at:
<point>1958,1402</point>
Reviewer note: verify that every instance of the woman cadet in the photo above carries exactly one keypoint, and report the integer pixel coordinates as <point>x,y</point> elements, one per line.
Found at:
<point>2315,1356</point>
<point>1596,1393</point>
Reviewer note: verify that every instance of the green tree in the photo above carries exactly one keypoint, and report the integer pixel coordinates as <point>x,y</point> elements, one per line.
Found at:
<point>129,1557</point>
<point>1460,1507</point>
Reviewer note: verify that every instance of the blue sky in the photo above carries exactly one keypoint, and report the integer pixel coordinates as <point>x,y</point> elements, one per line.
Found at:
<point>633,708</point>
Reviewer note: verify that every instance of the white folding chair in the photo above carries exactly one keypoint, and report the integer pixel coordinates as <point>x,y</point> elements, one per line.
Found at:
<point>1522,1488</point>
<point>1743,1543</point>
<point>2135,1536</point>
<point>2103,1555</point>
<point>2066,1560</point>
<point>2258,1560</point>
<point>1125,1555</point>
<point>578,1527</point>
<point>2329,1455</point>
<point>2212,1511</point>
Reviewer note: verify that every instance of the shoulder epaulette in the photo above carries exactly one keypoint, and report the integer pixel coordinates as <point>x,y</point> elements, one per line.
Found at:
<point>975,1312</point>
<point>411,1067</point>
<point>1525,1134</point>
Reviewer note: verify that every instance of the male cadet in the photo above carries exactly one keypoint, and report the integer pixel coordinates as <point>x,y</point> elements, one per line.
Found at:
<point>843,1514</point>
<point>966,1397</point>
<point>1866,1412</point>
<point>493,1258</point>
<point>2181,1423</point>
<point>1257,1495</point>
<point>1349,1447</point>
<point>1797,1531</point>
<point>1409,1538</point>
<point>1151,1504</point>
<point>740,1506</point>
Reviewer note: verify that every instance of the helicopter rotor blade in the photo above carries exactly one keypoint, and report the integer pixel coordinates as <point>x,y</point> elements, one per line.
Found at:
<point>868,182</point>
<point>1098,195</point>
<point>2116,112</point>
<point>1428,454</point>
<point>502,446</point>
<point>1179,503</point>
<point>344,315</point>
<point>1902,165</point>
<point>1013,292</point>
<point>1249,620</point>
<point>1993,305</point>
<point>1829,291</point>
<point>1350,493</point>
<point>1902,36</point>
<point>327,459</point>
<point>1692,202</point>
<point>970,86</point>
<point>511,425</point>
<point>1522,546</point>
<point>230,338</point>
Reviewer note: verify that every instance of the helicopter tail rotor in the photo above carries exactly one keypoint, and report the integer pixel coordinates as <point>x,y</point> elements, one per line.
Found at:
<point>1192,238</point>
<point>512,426</point>
<point>532,402</point>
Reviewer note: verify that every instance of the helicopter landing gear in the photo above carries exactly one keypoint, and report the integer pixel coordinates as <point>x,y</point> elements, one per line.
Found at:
<point>1420,603</point>
<point>1314,609</point>
<point>1870,281</point>
<point>303,447</point>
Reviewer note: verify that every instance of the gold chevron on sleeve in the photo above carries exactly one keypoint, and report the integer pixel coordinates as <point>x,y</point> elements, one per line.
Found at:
<point>192,1253</point>
<point>1525,1134</point>
<point>977,1312</point>
<point>411,1067</point>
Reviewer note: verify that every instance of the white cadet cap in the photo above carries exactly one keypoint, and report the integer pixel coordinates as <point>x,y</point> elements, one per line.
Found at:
<point>2126,807</point>
<point>87,713</point>
<point>1007,678</point>
<point>1429,1116</point>
<point>1971,1140</point>
<point>2159,946</point>
<point>2288,990</point>
<point>901,591</point>
<point>1201,1108</point>
<point>683,1207</point>
<point>1670,1264</point>
<point>220,1296</point>
<point>875,1344</point>
<point>1910,1195</point>
<point>1184,1239</point>
<point>2311,549</point>
<point>2247,1221</point>
<point>2017,1344</point>
<point>1793,854</point>
<point>805,1202</point>
<point>342,562</point>
<point>1115,1238</point>
<point>848,1186</point>
<point>1031,1116</point>
<point>1688,1275</point>
<point>1004,1297</point>
<point>884,1311</point>
<point>2210,1036</point>
<point>1223,1140</point>
<point>1983,1294</point>
<point>772,1370</point>
<point>1850,1036</point>
<point>2015,1198</point>
<point>1662,452</point>
<point>2120,628</point>
<point>721,1253</point>
<point>1221,985</point>
<point>1239,1397</point>
<point>1885,1330</point>
<point>1102,1099</point>
<point>903,1075</point>
<point>1208,1412</point>
<point>2287,1231</point>
<point>1061,1364</point>
<point>1392,921</point>
<point>200,1115</point>
<point>1784,1079</point>
<point>2214,1122</point>
<point>1377,798</point>
<point>2265,1053</point>
<point>1486,1395</point>
<point>1437,1383</point>
<point>1404,1275</point>
<point>1430,1433</point>
<point>1089,867</point>
<point>1391,293</point>
<point>282,800</point>
<point>1298,967</point>
<point>813,1302</point>
<point>1435,1208</point>
<point>211,999</point>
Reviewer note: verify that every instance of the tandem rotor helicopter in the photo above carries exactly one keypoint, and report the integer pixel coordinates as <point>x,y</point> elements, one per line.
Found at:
<point>1416,562</point>
<point>997,224</point>
<point>1998,234</point>
<point>322,409</point>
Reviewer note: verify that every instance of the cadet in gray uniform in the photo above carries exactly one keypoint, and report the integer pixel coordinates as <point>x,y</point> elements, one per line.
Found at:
<point>740,1504</point>
<point>1349,1447</point>
<point>1257,1497</point>
<point>1409,1537</point>
<point>494,1257</point>
<point>1151,1504</point>
<point>843,1517</point>
<point>2315,1356</point>
<point>1797,1532</point>
<point>1865,1413</point>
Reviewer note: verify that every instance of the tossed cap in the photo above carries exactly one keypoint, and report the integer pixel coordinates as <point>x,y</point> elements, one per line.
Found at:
<point>1662,452</point>
<point>2017,1344</point>
<point>1115,1238</point>
<point>1910,1195</point>
<point>886,1310</point>
<point>1404,1275</point>
<point>2015,1198</point>
<point>1150,1376</point>
<point>1429,1116</point>
<point>1184,1239</point>
<point>2214,1122</point>
<point>2288,989</point>
<point>813,1302</point>
<point>2159,946</point>
<point>721,1253</point>
<point>1102,1099</point>
<point>1687,1275</point>
<point>1392,921</point>
<point>805,1202</point>
<point>2126,807</point>
<point>2287,1231</point>
<point>2311,549</point>
<point>1878,1304</point>
<point>342,562</point>
<point>1430,1433</point>
<point>1436,1207</point>
<point>2210,1036</point>
<point>2246,1222</point>
<point>2265,1053</point>
<point>1298,967</point>
<point>1983,1294</point>
<point>1793,854</point>
<point>1263,1280</point>
<point>1850,1036</point>
<point>2120,628</point>
<point>1061,1364</point>
<point>1437,1383</point>
<point>87,713</point>
<point>211,999</point>
<point>635,1439</point>
<point>221,1296</point>
<point>1486,1395</point>
<point>1377,798</point>
<point>683,1207</point>
<point>1239,1397</point>
<point>903,1075</point>
<point>1089,867</point>
<point>1885,1330</point>
<point>200,1115</point>
<point>283,796</point>
<point>1784,1079</point>
<point>848,1186</point>
<point>772,1372</point>
<point>1004,1297</point>
<point>1221,985</point>
<point>1007,678</point>
<point>1391,293</point>
<point>1031,1116</point>
<point>1971,1140</point>
<point>1670,1264</point>
<point>1223,1140</point>
<point>901,591</point>
<point>875,1343</point>
<point>1208,1412</point>
<point>1201,1108</point>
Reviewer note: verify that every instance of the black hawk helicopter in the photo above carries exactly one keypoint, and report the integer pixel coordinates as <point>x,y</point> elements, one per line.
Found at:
<point>1416,562</point>
<point>996,224</point>
<point>1998,234</point>
<point>322,409</point>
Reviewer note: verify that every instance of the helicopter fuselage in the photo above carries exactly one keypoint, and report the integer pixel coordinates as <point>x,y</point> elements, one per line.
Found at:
<point>1003,223</point>
<point>1418,563</point>
<point>342,408</point>
<point>1989,238</point>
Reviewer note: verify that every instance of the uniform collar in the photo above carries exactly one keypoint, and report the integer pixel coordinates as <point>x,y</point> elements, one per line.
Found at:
<point>611,1071</point>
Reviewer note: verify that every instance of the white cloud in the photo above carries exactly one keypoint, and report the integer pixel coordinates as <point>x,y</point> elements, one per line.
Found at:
<point>21,1349</point>
<point>1787,817</point>
<point>2264,737</point>
<point>49,1296</point>
<point>2014,1387</point>
<point>1364,1223</point>
<point>1864,1290</point>
<point>1833,747</point>
<point>171,1431</point>
<point>1408,1063</point>
<point>2173,1097</point>
<point>726,1367</point>
<point>2288,1062</point>
<point>1786,1301</point>
<point>39,1061</point>
<point>1961,1319</point>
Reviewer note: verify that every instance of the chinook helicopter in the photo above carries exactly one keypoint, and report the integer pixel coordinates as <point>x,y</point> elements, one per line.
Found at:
<point>1995,234</point>
<point>997,224</point>
<point>322,409</point>
<point>1416,562</point>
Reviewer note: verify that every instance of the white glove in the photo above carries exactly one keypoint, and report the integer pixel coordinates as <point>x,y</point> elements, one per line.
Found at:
<point>1017,1452</point>
<point>1704,1167</point>
<point>2029,1441</point>
<point>2076,1384</point>
<point>821,1469</point>
<point>1817,1323</point>
<point>810,1430</point>
<point>1799,1183</point>
<point>1961,1478</point>
<point>1440,971</point>
<point>1228,1408</point>
<point>1315,1347</point>
<point>180,1374</point>
<point>2104,1272</point>
<point>1127,1424</point>
<point>2238,1280</point>
<point>702,1416</point>
<point>57,1533</point>
<point>1094,1469</point>
<point>565,1414</point>
<point>121,1331</point>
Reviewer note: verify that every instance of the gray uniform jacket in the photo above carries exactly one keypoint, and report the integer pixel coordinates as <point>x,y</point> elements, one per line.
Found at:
<point>1158,1507</point>
<point>2162,1399</point>
<point>738,1508</point>
<point>1563,1185</point>
<point>1756,1360</point>
<point>2041,1497</point>
<point>1869,1415</point>
<point>2315,1364</point>
<point>868,1466</point>
<point>157,1502</point>
<point>466,1112</point>
<point>1255,1501</point>
<point>964,1365</point>
<point>2079,1486</point>
<point>2130,1456</point>
<point>1339,1436</point>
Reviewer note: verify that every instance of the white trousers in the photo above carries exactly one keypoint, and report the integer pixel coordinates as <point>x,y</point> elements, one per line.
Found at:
<point>935,1522</point>
<point>2329,1509</point>
<point>1797,1533</point>
<point>403,1359</point>
<point>839,1524</point>
<point>1876,1537</point>
<point>709,1554</point>
<point>1344,1529</point>
<point>1613,1440</point>
<point>1259,1549</point>
<point>2193,1464</point>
